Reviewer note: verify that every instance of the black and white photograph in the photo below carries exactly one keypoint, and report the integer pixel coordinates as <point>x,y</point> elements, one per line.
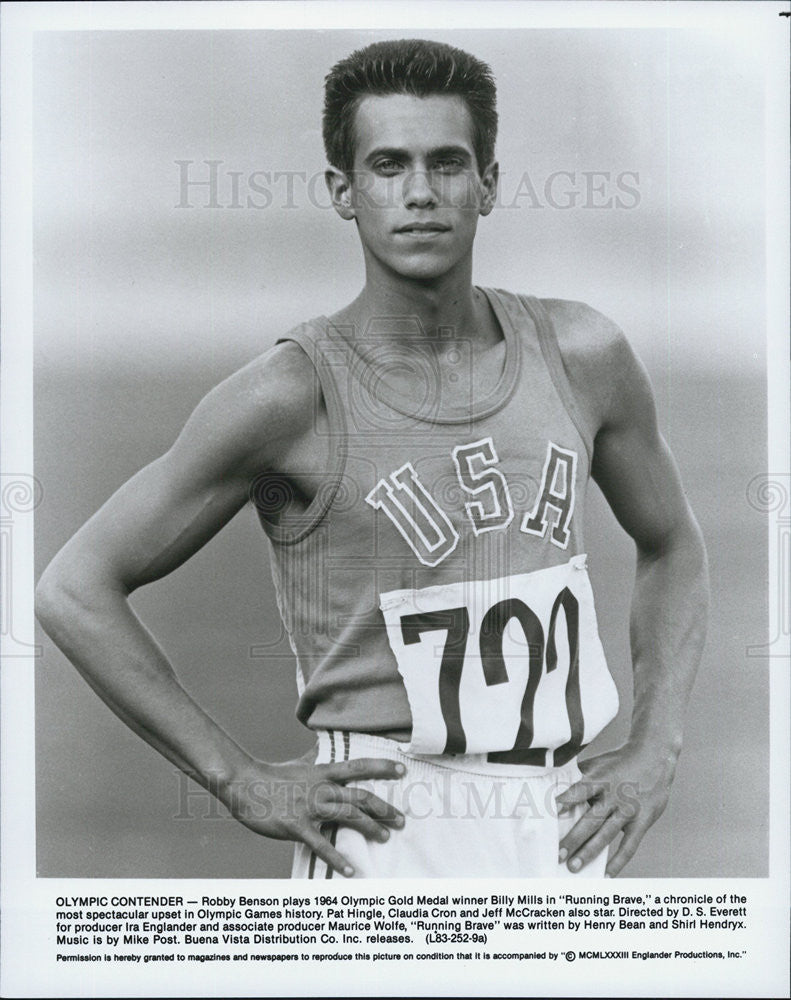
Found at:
<point>404,504</point>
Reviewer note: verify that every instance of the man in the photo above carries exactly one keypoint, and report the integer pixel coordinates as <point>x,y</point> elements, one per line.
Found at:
<point>419,462</point>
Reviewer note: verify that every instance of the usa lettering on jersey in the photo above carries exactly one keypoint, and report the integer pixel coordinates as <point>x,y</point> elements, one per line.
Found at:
<point>428,531</point>
<point>555,503</point>
<point>419,519</point>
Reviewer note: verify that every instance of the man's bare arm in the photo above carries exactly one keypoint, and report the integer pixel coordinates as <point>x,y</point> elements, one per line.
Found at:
<point>249,425</point>
<point>628,788</point>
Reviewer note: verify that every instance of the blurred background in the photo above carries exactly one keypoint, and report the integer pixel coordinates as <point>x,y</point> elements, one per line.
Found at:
<point>632,178</point>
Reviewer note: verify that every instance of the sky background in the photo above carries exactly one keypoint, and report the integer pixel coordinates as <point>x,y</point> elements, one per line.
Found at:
<point>141,306</point>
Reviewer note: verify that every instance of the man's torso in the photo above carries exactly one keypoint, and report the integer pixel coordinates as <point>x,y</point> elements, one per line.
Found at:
<point>442,517</point>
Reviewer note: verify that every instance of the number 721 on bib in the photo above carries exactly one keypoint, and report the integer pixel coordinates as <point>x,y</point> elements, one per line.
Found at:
<point>513,668</point>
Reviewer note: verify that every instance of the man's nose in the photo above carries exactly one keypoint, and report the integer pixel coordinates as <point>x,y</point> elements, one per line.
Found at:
<point>418,190</point>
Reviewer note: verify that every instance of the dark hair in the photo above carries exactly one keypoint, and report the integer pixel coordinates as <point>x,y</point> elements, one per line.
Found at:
<point>407,66</point>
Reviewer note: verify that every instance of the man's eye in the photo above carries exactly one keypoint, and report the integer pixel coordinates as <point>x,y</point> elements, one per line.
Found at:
<point>448,164</point>
<point>387,166</point>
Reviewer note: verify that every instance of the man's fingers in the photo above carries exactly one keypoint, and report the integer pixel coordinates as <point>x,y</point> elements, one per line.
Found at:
<point>361,769</point>
<point>595,844</point>
<point>371,804</point>
<point>331,792</point>
<point>585,828</point>
<point>358,808</point>
<point>579,792</point>
<point>347,814</point>
<point>323,849</point>
<point>626,849</point>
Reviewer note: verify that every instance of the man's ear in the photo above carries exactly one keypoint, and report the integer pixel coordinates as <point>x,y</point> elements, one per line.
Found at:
<point>489,179</point>
<point>340,187</point>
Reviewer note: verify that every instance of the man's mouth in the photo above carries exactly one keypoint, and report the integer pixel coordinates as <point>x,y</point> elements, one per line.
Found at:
<point>423,229</point>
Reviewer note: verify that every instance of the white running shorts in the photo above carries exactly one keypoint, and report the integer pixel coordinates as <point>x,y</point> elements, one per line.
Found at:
<point>465,817</point>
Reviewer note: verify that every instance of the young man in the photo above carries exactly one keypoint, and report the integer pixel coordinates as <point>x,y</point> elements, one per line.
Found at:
<point>419,461</point>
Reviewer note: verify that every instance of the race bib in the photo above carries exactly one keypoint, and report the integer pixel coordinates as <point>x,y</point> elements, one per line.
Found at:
<point>511,667</point>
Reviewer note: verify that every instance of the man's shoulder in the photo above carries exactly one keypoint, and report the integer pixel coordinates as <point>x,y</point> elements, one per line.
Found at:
<point>593,346</point>
<point>596,354</point>
<point>583,330</point>
<point>252,416</point>
<point>281,379</point>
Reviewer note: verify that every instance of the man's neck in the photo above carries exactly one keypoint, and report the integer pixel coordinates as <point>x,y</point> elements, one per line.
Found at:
<point>445,309</point>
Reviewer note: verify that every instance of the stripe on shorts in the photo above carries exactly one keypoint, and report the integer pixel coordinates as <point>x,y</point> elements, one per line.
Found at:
<point>331,828</point>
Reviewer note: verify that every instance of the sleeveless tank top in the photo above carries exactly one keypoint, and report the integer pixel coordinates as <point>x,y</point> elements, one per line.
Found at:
<point>435,589</point>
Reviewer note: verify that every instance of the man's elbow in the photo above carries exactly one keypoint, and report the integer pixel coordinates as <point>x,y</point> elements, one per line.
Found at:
<point>693,543</point>
<point>52,596</point>
<point>69,590</point>
<point>681,542</point>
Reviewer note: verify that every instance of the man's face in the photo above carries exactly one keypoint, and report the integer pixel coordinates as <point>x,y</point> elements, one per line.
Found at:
<point>415,191</point>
